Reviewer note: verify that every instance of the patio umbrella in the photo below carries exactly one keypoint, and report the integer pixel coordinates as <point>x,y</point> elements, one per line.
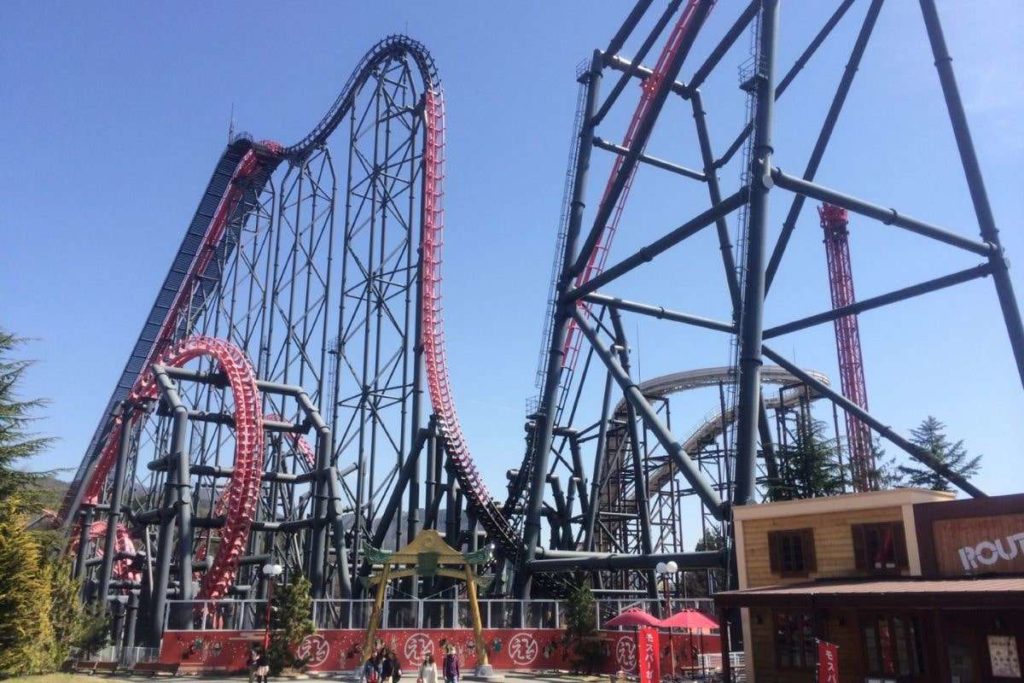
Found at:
<point>635,617</point>
<point>692,620</point>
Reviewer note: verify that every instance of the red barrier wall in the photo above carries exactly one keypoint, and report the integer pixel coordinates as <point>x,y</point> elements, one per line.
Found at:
<point>339,650</point>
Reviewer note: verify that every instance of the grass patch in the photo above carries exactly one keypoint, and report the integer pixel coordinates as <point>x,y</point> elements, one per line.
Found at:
<point>54,678</point>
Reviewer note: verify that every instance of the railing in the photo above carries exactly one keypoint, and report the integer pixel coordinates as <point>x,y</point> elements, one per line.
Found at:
<point>400,613</point>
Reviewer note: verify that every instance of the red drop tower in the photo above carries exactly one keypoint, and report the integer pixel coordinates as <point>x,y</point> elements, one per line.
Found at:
<point>835,223</point>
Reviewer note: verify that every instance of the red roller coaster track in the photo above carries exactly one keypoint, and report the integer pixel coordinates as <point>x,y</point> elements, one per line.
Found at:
<point>242,491</point>
<point>240,498</point>
<point>835,222</point>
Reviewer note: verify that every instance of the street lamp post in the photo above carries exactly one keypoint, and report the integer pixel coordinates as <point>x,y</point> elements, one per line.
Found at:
<point>664,569</point>
<point>270,572</point>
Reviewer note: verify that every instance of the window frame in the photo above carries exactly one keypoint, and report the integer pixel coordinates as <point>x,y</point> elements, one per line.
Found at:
<point>914,641</point>
<point>862,542</point>
<point>777,558</point>
<point>808,657</point>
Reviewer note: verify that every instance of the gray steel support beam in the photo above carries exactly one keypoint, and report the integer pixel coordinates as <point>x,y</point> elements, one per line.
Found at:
<point>640,489</point>
<point>559,328</point>
<point>631,392</point>
<point>727,41</point>
<point>794,70</point>
<point>632,68</point>
<point>114,514</point>
<point>879,213</point>
<point>650,161</point>
<point>643,133</point>
<point>182,484</point>
<point>659,312</point>
<point>752,316</point>
<point>132,621</point>
<point>943,282</point>
<point>916,452</point>
<point>646,254</point>
<point>569,562</point>
<point>405,475</point>
<point>337,519</point>
<point>83,540</point>
<point>824,135</point>
<point>715,192</point>
<point>164,550</point>
<point>599,457</point>
<point>975,182</point>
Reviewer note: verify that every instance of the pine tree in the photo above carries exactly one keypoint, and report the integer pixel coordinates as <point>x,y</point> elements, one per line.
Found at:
<point>931,436</point>
<point>887,474</point>
<point>26,632</point>
<point>16,443</point>
<point>581,627</point>
<point>291,622</point>
<point>810,468</point>
<point>67,613</point>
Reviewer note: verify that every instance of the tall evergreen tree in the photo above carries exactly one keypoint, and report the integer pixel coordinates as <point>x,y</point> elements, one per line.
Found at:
<point>810,468</point>
<point>931,436</point>
<point>67,613</point>
<point>581,627</point>
<point>291,623</point>
<point>26,632</point>
<point>886,474</point>
<point>16,416</point>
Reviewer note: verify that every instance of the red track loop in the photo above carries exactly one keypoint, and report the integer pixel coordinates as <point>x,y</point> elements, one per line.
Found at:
<point>220,506</point>
<point>242,491</point>
<point>122,544</point>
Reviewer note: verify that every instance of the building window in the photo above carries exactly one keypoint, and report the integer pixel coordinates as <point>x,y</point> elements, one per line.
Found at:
<point>794,640</point>
<point>791,553</point>
<point>880,548</point>
<point>893,645</point>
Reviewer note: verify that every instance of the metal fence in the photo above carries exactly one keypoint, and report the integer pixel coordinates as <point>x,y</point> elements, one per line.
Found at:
<point>398,613</point>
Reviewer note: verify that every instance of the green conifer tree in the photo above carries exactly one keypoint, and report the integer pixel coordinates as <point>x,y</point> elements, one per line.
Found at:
<point>581,627</point>
<point>810,468</point>
<point>931,436</point>
<point>291,621</point>
<point>16,442</point>
<point>26,632</point>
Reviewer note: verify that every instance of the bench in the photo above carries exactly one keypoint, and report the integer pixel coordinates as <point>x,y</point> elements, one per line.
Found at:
<point>105,667</point>
<point>84,666</point>
<point>154,668</point>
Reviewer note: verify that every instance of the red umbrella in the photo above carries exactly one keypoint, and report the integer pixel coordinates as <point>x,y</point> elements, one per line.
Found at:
<point>694,621</point>
<point>691,619</point>
<point>635,617</point>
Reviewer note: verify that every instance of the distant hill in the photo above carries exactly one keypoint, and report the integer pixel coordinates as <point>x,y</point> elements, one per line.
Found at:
<point>53,490</point>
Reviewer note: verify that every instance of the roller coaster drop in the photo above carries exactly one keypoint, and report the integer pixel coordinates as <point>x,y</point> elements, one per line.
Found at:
<point>311,319</point>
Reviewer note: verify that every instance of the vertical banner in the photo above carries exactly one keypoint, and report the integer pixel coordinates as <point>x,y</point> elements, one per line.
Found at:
<point>828,662</point>
<point>648,655</point>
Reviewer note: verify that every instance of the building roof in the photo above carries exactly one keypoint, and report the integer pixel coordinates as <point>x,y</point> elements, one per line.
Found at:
<point>971,592</point>
<point>842,503</point>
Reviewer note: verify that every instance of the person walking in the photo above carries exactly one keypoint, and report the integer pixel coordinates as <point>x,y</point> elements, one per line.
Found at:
<point>387,664</point>
<point>428,670</point>
<point>262,667</point>
<point>451,665</point>
<point>252,661</point>
<point>371,669</point>
<point>395,668</point>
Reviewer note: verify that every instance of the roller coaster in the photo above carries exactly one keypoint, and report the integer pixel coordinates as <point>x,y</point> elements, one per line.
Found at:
<point>288,399</point>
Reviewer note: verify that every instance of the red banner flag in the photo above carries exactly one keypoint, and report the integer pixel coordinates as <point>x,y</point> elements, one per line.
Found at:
<point>828,662</point>
<point>648,655</point>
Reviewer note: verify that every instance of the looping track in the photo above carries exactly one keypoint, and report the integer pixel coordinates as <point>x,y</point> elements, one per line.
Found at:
<point>247,165</point>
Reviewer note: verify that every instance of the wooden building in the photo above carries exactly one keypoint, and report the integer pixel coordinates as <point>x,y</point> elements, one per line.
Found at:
<point>912,585</point>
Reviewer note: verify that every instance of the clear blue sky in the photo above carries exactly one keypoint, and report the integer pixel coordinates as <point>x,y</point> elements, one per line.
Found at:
<point>114,114</point>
